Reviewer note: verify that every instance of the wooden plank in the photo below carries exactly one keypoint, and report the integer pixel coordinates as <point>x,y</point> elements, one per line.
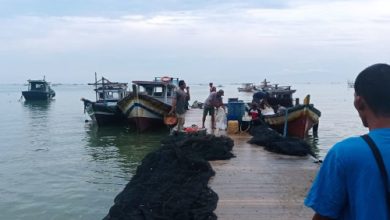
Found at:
<point>258,184</point>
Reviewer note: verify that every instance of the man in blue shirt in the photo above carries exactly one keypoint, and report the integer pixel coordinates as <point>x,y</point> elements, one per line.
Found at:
<point>349,184</point>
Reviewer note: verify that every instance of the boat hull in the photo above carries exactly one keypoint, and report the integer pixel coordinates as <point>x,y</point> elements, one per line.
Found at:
<point>37,95</point>
<point>300,119</point>
<point>145,112</point>
<point>245,90</point>
<point>104,113</point>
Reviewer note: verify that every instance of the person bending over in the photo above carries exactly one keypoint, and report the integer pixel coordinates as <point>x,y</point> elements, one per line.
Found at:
<point>213,101</point>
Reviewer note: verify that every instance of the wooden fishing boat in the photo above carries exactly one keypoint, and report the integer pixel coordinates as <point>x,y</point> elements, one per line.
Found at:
<point>104,111</point>
<point>290,119</point>
<point>38,90</point>
<point>149,102</point>
<point>295,121</point>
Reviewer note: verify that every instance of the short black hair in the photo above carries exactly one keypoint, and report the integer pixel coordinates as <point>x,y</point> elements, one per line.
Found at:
<point>373,84</point>
<point>181,82</point>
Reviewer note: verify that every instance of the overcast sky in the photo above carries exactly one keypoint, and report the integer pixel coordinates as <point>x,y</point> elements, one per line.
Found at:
<point>200,41</point>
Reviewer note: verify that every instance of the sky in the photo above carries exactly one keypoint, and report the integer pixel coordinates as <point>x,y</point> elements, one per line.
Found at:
<point>224,41</point>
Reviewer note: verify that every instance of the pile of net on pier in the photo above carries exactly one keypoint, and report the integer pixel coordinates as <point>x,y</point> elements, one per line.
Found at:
<point>274,142</point>
<point>172,182</point>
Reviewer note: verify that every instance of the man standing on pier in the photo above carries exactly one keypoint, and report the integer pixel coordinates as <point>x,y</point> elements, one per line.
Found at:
<point>182,95</point>
<point>352,182</point>
<point>214,100</point>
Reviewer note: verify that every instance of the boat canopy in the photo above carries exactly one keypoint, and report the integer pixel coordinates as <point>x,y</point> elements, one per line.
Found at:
<point>109,91</point>
<point>37,85</point>
<point>159,87</point>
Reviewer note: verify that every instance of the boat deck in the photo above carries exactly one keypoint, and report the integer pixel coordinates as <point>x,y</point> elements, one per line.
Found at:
<point>258,184</point>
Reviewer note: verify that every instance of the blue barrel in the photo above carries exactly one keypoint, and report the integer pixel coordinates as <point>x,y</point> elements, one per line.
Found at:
<point>236,110</point>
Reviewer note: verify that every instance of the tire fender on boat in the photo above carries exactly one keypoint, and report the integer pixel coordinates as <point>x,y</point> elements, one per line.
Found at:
<point>166,79</point>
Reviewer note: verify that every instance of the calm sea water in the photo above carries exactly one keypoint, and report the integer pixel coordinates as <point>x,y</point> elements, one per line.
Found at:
<point>54,165</point>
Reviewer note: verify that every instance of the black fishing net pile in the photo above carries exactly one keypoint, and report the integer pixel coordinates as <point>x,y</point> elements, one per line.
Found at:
<point>274,142</point>
<point>172,182</point>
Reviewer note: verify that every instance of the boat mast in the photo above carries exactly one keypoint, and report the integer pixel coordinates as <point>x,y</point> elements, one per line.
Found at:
<point>96,92</point>
<point>103,89</point>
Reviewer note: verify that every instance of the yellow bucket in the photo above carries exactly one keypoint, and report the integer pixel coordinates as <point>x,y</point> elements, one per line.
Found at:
<point>233,127</point>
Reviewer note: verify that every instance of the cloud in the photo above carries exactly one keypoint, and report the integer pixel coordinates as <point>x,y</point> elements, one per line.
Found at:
<point>297,36</point>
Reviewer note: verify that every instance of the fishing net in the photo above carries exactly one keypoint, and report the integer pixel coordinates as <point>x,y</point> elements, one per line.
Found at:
<point>263,135</point>
<point>172,182</point>
<point>274,142</point>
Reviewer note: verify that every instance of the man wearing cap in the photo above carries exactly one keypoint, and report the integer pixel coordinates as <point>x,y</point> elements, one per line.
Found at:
<point>213,101</point>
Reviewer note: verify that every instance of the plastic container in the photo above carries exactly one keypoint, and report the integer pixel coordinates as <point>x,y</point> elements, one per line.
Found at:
<point>170,120</point>
<point>232,100</point>
<point>233,127</point>
<point>236,110</point>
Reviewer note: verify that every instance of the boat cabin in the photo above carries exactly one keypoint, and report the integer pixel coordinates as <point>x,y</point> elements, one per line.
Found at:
<point>107,91</point>
<point>161,88</point>
<point>38,85</point>
<point>279,95</point>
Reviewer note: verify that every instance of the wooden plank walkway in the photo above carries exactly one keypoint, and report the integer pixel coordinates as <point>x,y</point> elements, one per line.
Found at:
<point>258,184</point>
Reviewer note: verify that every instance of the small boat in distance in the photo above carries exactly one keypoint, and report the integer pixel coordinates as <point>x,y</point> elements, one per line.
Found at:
<point>149,102</point>
<point>246,87</point>
<point>104,111</point>
<point>350,84</point>
<point>38,90</point>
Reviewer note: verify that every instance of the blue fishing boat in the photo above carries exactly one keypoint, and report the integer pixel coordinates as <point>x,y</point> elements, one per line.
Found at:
<point>38,90</point>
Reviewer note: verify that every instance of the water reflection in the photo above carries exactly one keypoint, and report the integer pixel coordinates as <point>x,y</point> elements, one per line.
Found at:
<point>38,105</point>
<point>37,122</point>
<point>120,146</point>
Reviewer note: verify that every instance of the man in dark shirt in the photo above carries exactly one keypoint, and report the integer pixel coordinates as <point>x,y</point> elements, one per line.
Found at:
<point>257,97</point>
<point>182,95</point>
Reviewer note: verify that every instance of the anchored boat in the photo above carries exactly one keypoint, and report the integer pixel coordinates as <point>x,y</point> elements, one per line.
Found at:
<point>290,119</point>
<point>38,90</point>
<point>246,87</point>
<point>149,102</point>
<point>104,110</point>
<point>296,120</point>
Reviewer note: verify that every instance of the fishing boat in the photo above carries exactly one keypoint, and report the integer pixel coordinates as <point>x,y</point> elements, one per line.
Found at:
<point>104,111</point>
<point>246,87</point>
<point>38,90</point>
<point>149,102</point>
<point>350,84</point>
<point>296,120</point>
<point>277,95</point>
<point>263,85</point>
<point>289,118</point>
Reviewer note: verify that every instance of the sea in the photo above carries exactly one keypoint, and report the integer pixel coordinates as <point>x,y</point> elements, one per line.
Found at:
<point>56,164</point>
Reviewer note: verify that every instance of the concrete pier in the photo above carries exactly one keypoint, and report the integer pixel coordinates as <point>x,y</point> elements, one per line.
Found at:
<point>258,184</point>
